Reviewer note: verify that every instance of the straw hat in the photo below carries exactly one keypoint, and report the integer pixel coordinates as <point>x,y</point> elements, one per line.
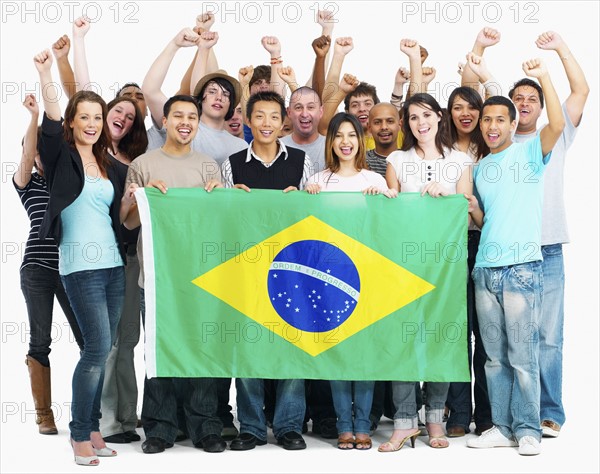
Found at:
<point>223,75</point>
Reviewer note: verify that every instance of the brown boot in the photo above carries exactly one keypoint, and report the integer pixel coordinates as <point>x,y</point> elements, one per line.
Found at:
<point>40,389</point>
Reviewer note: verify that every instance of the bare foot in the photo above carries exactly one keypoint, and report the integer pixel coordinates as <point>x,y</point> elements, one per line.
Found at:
<point>97,440</point>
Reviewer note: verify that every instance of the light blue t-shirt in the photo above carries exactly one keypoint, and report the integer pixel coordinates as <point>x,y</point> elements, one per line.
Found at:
<point>511,186</point>
<point>88,240</point>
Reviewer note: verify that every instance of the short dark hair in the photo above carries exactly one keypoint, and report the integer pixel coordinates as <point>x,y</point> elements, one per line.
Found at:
<point>363,88</point>
<point>260,72</point>
<point>179,98</point>
<point>266,97</point>
<point>501,100</point>
<point>226,85</point>
<point>531,83</point>
<point>126,85</point>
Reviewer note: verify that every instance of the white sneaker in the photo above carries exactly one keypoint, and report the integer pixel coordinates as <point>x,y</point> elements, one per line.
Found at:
<point>529,446</point>
<point>491,438</point>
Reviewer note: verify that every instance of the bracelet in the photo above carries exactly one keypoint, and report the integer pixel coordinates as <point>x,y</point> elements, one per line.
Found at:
<point>397,97</point>
<point>276,60</point>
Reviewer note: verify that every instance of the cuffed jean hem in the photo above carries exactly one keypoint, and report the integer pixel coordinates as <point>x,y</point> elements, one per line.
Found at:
<point>434,416</point>
<point>523,433</point>
<point>406,423</point>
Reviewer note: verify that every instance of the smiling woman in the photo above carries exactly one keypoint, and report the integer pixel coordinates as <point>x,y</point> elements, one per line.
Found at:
<point>85,194</point>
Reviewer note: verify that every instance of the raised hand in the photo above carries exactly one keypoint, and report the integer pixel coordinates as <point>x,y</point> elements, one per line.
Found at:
<point>349,83</point>
<point>287,74</point>
<point>30,104</point>
<point>80,27</point>
<point>186,38</point>
<point>478,66</point>
<point>61,47</point>
<point>326,19</point>
<point>487,37</point>
<point>402,76</point>
<point>549,40</point>
<point>321,45</point>
<point>43,61</point>
<point>343,45</point>
<point>208,39</point>
<point>272,45</point>
<point>410,48</point>
<point>245,74</point>
<point>204,21</point>
<point>428,74</point>
<point>535,68</point>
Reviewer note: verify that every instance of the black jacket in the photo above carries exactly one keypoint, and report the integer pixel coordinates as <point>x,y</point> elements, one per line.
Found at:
<point>64,173</point>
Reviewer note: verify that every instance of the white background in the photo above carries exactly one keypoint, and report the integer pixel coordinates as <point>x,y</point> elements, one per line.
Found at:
<point>123,42</point>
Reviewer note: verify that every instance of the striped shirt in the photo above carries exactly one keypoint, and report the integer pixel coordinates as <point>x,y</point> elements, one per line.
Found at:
<point>34,197</point>
<point>377,162</point>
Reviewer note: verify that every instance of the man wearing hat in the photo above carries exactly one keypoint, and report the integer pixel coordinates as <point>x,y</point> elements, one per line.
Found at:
<point>217,93</point>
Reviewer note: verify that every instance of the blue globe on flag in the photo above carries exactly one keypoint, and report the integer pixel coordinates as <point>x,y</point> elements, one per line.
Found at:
<point>313,285</point>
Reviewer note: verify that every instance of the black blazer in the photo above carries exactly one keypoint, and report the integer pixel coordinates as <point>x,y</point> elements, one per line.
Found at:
<point>64,173</point>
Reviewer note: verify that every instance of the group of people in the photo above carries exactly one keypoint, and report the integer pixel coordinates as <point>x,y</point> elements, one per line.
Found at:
<point>80,170</point>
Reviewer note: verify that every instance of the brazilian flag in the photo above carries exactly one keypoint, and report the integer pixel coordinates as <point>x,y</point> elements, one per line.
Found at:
<point>330,286</point>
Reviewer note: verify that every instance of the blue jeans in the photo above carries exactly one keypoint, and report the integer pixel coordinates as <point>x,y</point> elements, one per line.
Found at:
<point>343,392</point>
<point>163,396</point>
<point>290,406</point>
<point>405,401</point>
<point>509,307</point>
<point>551,335</point>
<point>39,286</point>
<point>96,297</point>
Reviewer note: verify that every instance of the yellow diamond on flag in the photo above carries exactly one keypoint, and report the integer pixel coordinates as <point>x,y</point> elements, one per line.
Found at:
<point>313,285</point>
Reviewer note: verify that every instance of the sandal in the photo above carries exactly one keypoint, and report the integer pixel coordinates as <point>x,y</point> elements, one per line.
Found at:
<point>345,442</point>
<point>363,443</point>
<point>437,442</point>
<point>389,446</point>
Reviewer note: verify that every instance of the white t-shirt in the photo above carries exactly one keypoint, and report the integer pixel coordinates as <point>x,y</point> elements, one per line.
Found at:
<point>359,182</point>
<point>413,172</point>
<point>554,214</point>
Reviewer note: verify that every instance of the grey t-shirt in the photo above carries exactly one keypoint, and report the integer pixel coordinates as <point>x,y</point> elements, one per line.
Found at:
<point>554,216</point>
<point>315,151</point>
<point>193,170</point>
<point>218,144</point>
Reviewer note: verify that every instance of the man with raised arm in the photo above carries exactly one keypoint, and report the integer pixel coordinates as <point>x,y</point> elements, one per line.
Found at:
<point>529,100</point>
<point>508,278</point>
